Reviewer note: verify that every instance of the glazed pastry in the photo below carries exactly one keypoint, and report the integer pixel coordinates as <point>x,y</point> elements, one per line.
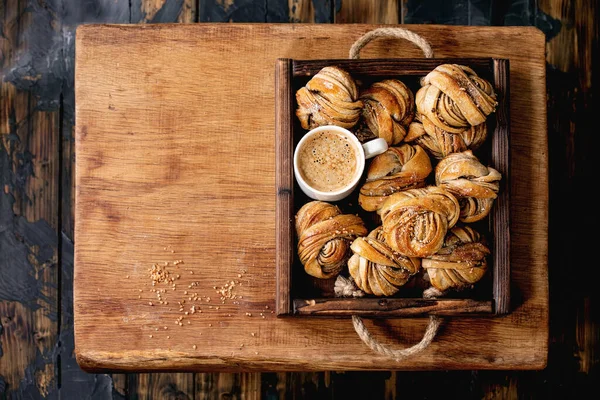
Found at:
<point>329,98</point>
<point>474,185</point>
<point>398,168</point>
<point>453,97</point>
<point>376,268</point>
<point>324,238</point>
<point>388,109</point>
<point>461,262</point>
<point>439,143</point>
<point>415,221</point>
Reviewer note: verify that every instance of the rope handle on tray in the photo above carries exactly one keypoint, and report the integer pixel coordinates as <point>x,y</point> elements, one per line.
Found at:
<point>345,287</point>
<point>400,33</point>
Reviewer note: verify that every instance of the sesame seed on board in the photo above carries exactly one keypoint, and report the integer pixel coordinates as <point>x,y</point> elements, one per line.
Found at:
<point>188,295</point>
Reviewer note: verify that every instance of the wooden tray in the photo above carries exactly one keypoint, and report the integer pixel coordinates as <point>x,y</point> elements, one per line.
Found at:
<point>300,294</point>
<point>175,148</point>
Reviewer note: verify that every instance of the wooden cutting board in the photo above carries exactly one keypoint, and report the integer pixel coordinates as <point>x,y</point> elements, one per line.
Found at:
<point>175,163</point>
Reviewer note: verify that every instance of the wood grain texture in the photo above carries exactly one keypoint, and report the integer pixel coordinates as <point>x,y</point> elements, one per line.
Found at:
<point>163,11</point>
<point>382,67</point>
<point>176,386</point>
<point>302,11</point>
<point>284,184</point>
<point>207,192</point>
<point>367,12</point>
<point>120,385</point>
<point>391,307</point>
<point>572,111</point>
<point>241,386</point>
<point>29,215</point>
<point>500,218</point>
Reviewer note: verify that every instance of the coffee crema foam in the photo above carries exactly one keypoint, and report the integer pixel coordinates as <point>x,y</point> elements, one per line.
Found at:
<point>328,161</point>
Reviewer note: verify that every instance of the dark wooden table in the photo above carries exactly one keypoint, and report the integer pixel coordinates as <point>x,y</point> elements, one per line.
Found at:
<point>36,215</point>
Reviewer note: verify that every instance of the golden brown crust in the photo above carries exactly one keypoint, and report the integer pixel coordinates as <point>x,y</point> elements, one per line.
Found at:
<point>461,262</point>
<point>324,238</point>
<point>474,185</point>
<point>376,268</point>
<point>439,143</point>
<point>415,221</point>
<point>398,168</point>
<point>329,98</point>
<point>388,109</point>
<point>453,98</point>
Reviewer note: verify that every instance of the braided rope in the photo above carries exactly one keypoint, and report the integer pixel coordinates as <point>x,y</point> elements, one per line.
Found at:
<point>347,288</point>
<point>390,32</point>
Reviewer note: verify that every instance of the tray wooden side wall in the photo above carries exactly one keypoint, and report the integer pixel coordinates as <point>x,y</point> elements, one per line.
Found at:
<point>499,220</point>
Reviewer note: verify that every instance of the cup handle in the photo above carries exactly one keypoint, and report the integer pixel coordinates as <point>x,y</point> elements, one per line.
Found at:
<point>374,147</point>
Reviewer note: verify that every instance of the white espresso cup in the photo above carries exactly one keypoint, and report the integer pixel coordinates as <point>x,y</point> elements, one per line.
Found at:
<point>329,161</point>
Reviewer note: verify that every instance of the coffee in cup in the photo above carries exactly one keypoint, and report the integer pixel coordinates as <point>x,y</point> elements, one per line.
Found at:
<point>329,161</point>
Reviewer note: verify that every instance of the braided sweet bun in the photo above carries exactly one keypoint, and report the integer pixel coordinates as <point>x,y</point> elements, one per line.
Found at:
<point>475,185</point>
<point>461,262</point>
<point>398,168</point>
<point>329,98</point>
<point>453,97</point>
<point>415,221</point>
<point>324,238</point>
<point>439,143</point>
<point>388,109</point>
<point>376,268</point>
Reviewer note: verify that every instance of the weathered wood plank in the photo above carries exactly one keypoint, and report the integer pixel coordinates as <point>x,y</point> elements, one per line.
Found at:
<point>307,385</point>
<point>242,386</point>
<point>178,386</point>
<point>17,342</point>
<point>232,11</point>
<point>390,308</point>
<point>386,67</point>
<point>29,132</point>
<point>250,386</point>
<point>367,12</point>
<point>120,386</point>
<point>303,11</point>
<point>284,184</point>
<point>492,385</point>
<point>572,112</point>
<point>163,11</point>
<point>391,389</point>
<point>500,217</point>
